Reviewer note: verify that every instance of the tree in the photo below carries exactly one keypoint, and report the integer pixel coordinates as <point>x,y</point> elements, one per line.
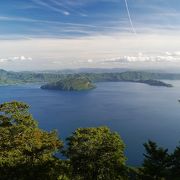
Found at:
<point>26,151</point>
<point>156,163</point>
<point>175,162</point>
<point>96,153</point>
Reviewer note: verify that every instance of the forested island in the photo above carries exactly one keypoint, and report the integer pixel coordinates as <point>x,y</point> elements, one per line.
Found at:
<point>82,84</point>
<point>84,81</point>
<point>71,84</point>
<point>97,153</point>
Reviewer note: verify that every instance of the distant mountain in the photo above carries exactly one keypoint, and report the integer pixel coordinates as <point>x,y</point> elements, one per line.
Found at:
<point>85,70</point>
<point>9,77</point>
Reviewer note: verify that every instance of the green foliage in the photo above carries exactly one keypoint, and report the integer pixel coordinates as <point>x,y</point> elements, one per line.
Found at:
<point>96,153</point>
<point>76,83</point>
<point>25,150</point>
<point>134,173</point>
<point>175,163</point>
<point>156,163</point>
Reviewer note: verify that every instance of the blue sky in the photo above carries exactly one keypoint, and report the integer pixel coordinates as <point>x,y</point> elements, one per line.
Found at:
<point>56,34</point>
<point>67,19</point>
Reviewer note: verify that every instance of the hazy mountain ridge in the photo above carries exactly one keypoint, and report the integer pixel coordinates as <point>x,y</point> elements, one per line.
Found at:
<point>10,77</point>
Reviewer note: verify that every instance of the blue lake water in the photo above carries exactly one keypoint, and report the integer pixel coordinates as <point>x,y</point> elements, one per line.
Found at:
<point>138,112</point>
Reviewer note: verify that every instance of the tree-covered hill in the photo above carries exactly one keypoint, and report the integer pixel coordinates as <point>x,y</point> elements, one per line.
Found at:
<point>9,77</point>
<point>71,84</point>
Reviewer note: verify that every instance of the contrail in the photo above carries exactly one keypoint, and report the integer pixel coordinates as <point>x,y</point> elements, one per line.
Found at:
<point>129,16</point>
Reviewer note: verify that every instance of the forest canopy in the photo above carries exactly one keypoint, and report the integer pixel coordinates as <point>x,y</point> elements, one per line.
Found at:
<point>28,152</point>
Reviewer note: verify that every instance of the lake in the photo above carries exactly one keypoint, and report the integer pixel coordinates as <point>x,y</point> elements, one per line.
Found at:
<point>138,112</point>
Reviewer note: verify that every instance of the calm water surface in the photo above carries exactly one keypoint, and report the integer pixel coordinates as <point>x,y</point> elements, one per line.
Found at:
<point>137,111</point>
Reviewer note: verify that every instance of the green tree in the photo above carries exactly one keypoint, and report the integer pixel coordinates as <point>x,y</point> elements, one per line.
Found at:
<point>175,162</point>
<point>156,163</point>
<point>26,151</point>
<point>95,154</point>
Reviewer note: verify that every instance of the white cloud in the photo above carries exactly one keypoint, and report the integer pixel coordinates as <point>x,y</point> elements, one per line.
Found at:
<point>167,57</point>
<point>15,59</point>
<point>53,8</point>
<point>177,53</point>
<point>66,13</point>
<point>90,61</point>
<point>112,51</point>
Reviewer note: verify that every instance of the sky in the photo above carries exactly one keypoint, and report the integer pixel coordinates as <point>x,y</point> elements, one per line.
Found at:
<point>57,34</point>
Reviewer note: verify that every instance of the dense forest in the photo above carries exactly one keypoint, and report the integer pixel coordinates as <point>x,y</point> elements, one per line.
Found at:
<point>28,152</point>
<point>71,84</point>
